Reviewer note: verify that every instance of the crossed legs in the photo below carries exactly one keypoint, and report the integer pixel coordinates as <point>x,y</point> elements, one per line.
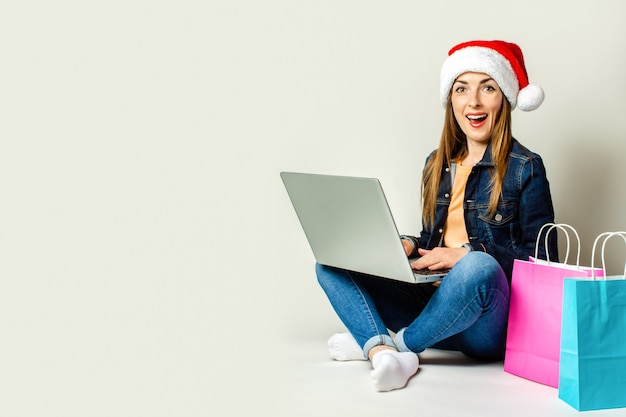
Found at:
<point>467,313</point>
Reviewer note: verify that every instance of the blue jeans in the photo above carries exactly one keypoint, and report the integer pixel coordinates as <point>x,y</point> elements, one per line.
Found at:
<point>468,312</point>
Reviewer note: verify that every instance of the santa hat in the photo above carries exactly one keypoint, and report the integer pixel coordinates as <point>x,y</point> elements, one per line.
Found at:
<point>503,61</point>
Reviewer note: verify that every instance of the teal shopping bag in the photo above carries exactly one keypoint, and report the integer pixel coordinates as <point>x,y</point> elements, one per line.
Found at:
<point>592,372</point>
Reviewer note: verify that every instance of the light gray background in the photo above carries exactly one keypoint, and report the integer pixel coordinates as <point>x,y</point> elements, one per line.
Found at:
<point>150,261</point>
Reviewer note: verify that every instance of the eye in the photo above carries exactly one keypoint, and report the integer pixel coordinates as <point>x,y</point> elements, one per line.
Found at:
<point>489,88</point>
<point>459,89</point>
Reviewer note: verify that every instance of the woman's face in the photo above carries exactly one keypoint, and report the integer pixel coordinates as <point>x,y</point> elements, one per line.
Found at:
<point>476,101</point>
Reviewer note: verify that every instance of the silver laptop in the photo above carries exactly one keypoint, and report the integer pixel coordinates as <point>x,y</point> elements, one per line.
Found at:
<point>348,224</point>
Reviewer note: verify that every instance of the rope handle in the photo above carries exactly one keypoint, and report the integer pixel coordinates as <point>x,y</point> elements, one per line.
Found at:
<point>564,227</point>
<point>607,236</point>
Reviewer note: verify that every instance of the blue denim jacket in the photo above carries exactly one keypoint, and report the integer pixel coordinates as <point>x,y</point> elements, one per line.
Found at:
<point>525,206</point>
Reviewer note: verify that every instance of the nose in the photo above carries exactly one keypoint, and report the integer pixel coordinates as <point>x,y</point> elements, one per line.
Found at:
<point>475,98</point>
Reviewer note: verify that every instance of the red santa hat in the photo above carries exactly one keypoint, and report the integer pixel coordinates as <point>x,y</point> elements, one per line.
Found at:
<point>503,61</point>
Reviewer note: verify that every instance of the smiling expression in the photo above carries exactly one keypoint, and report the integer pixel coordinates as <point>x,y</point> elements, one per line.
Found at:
<point>476,102</point>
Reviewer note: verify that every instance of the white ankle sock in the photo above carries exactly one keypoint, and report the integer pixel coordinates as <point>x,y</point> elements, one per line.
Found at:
<point>343,347</point>
<point>392,369</point>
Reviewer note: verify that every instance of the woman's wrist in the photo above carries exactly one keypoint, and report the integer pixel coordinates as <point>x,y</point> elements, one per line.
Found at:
<point>414,245</point>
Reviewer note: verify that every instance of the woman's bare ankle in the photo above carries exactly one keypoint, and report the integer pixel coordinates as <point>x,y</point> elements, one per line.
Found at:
<point>377,349</point>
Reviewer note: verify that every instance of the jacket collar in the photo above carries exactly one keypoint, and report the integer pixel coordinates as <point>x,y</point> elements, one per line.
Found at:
<point>486,161</point>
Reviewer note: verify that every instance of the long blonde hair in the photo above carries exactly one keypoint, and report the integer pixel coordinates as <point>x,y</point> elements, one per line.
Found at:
<point>453,147</point>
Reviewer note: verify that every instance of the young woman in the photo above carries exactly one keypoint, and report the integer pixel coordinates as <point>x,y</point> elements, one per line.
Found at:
<point>485,197</point>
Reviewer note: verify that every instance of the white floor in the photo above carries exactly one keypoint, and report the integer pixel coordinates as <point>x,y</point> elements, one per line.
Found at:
<point>447,384</point>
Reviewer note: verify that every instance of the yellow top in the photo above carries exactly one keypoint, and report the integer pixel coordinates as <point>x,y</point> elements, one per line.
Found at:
<point>455,234</point>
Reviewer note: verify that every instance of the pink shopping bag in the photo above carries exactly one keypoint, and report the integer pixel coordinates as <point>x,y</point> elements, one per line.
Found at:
<point>534,328</point>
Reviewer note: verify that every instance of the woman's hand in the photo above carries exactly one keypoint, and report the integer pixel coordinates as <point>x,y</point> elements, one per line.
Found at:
<point>438,258</point>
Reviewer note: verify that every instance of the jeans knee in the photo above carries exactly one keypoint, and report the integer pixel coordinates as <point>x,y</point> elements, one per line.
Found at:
<point>324,274</point>
<point>478,269</point>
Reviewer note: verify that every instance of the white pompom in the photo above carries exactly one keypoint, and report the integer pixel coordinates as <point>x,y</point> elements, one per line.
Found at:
<point>530,97</point>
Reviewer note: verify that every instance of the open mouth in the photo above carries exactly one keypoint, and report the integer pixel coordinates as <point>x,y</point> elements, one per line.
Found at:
<point>476,120</point>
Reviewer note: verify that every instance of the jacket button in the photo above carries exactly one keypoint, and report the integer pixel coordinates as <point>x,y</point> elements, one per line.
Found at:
<point>447,195</point>
<point>498,217</point>
<point>440,230</point>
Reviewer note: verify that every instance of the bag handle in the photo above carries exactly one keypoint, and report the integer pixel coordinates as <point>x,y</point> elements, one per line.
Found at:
<point>607,236</point>
<point>564,227</point>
